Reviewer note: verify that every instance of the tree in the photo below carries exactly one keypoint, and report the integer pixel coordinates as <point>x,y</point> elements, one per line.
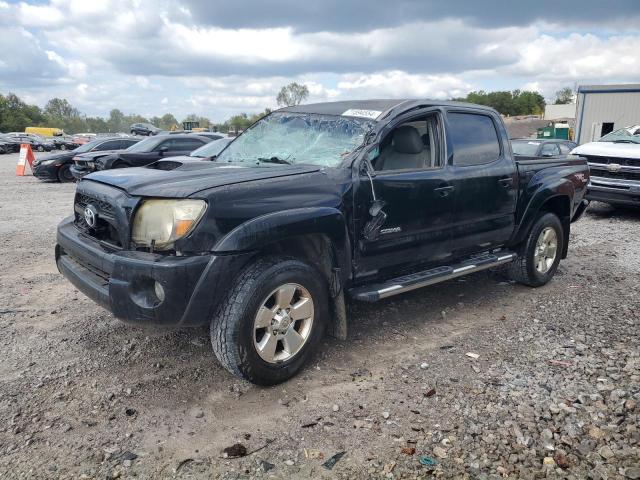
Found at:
<point>516,102</point>
<point>16,115</point>
<point>292,94</point>
<point>564,96</point>
<point>60,108</point>
<point>167,121</point>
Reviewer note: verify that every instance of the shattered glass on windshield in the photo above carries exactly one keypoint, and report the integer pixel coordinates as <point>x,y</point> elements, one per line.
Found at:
<point>290,138</point>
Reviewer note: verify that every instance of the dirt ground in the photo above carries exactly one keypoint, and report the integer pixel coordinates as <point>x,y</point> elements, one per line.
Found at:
<point>553,392</point>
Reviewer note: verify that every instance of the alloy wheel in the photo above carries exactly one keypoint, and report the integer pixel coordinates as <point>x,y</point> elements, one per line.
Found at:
<point>546,250</point>
<point>283,323</point>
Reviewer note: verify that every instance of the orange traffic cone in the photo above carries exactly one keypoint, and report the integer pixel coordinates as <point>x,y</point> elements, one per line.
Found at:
<point>26,156</point>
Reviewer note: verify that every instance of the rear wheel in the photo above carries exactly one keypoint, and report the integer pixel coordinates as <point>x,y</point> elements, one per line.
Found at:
<point>65,175</point>
<point>272,320</point>
<point>540,256</point>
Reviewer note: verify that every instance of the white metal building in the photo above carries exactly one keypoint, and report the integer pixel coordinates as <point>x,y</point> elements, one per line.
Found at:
<point>604,108</point>
<point>554,112</point>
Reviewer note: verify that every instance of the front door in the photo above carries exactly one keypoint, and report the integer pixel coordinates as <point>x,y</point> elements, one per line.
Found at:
<point>411,181</point>
<point>484,181</point>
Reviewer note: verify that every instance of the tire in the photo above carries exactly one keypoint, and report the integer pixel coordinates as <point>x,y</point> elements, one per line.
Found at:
<point>235,338</point>
<point>65,175</point>
<point>40,148</point>
<point>63,147</point>
<point>537,270</point>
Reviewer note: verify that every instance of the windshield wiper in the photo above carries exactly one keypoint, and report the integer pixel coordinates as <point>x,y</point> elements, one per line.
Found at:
<point>624,141</point>
<point>278,160</point>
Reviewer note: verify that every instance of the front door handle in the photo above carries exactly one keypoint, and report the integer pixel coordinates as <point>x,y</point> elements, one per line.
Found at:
<point>506,182</point>
<point>444,191</point>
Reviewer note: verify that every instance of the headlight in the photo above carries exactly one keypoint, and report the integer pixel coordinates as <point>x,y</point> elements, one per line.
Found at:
<point>46,162</point>
<point>162,222</point>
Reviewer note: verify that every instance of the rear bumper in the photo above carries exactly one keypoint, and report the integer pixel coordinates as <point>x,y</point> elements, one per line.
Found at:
<point>614,192</point>
<point>124,282</point>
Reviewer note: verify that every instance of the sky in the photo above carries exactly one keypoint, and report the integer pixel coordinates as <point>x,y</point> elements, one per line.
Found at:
<point>218,58</point>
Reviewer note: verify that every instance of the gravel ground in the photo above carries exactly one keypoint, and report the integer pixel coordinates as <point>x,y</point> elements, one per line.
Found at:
<point>553,392</point>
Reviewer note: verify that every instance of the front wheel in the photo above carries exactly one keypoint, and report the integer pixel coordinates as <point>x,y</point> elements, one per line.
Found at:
<point>65,175</point>
<point>540,256</point>
<point>271,321</point>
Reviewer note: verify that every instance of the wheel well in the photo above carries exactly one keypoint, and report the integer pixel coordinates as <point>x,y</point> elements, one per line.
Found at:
<point>314,249</point>
<point>318,250</point>
<point>560,206</point>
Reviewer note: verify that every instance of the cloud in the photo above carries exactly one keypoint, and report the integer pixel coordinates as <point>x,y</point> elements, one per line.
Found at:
<point>217,58</point>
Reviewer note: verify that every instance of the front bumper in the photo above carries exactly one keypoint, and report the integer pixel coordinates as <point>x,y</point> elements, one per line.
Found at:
<point>46,172</point>
<point>619,192</point>
<point>124,281</point>
<point>79,172</point>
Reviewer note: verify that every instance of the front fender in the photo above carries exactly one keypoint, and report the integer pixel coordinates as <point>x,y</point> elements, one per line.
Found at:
<point>277,226</point>
<point>106,162</point>
<point>539,192</point>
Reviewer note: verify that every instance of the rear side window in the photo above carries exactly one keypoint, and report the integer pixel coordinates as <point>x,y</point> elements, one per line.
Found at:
<point>565,148</point>
<point>549,149</point>
<point>474,137</point>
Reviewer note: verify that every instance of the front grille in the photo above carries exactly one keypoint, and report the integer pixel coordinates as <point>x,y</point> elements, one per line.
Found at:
<point>599,172</point>
<point>106,228</point>
<point>625,162</point>
<point>103,207</point>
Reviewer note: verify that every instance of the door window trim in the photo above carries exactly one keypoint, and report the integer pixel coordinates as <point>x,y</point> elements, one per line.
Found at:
<point>440,141</point>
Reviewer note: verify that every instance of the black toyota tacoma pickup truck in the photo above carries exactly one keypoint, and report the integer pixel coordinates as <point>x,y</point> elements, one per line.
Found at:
<point>311,207</point>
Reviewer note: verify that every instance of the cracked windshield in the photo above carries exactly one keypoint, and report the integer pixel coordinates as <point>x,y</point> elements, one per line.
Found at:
<point>290,138</point>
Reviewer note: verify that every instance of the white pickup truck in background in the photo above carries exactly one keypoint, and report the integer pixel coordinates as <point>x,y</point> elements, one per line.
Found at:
<point>614,162</point>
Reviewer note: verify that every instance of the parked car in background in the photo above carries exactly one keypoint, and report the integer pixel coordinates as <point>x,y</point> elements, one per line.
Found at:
<point>5,147</point>
<point>211,135</point>
<point>538,147</point>
<point>142,153</point>
<point>82,138</point>
<point>64,142</point>
<point>38,143</point>
<point>11,144</point>
<point>207,152</point>
<point>614,161</point>
<point>311,205</point>
<point>144,129</point>
<point>57,167</point>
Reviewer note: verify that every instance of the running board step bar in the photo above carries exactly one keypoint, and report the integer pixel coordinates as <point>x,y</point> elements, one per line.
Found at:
<point>395,286</point>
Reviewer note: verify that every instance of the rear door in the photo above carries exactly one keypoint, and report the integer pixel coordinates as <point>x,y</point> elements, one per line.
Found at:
<point>484,180</point>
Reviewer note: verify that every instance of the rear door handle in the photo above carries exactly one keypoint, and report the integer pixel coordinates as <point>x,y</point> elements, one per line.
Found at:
<point>506,182</point>
<point>444,191</point>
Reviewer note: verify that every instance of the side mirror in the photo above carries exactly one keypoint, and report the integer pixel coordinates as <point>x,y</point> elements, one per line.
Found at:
<point>547,155</point>
<point>163,150</point>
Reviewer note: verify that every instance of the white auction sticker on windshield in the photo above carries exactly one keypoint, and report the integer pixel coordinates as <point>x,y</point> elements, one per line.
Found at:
<point>355,112</point>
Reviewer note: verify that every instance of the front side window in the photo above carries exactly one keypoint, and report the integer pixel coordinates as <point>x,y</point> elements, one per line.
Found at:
<point>290,138</point>
<point>409,146</point>
<point>474,137</point>
<point>110,145</point>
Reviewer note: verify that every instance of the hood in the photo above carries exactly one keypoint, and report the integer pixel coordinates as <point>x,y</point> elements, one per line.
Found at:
<point>99,153</point>
<point>173,178</point>
<point>609,149</point>
<point>66,155</point>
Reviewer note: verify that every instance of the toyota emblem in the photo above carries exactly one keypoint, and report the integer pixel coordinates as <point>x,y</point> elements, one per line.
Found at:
<point>91,215</point>
<point>613,167</point>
